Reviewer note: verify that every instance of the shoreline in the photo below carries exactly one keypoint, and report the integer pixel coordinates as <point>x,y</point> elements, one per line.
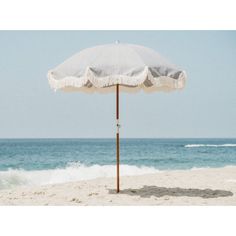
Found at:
<point>199,186</point>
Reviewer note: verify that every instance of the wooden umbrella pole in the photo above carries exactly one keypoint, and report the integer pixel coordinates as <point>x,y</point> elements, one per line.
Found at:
<point>117,142</point>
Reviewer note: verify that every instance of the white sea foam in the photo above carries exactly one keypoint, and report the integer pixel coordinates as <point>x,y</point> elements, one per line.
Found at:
<point>200,168</point>
<point>73,172</point>
<point>210,145</point>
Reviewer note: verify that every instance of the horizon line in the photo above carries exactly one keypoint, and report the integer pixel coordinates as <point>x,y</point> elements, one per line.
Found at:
<point>120,138</point>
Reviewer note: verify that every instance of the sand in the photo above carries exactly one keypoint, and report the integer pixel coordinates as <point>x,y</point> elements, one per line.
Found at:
<point>210,186</point>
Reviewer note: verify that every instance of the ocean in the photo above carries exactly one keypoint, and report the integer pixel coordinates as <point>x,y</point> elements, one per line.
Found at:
<point>27,162</point>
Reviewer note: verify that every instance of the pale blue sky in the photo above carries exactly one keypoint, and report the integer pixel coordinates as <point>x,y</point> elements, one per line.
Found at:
<point>205,108</point>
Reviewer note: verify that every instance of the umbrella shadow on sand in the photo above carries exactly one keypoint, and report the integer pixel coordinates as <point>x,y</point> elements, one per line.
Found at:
<point>148,191</point>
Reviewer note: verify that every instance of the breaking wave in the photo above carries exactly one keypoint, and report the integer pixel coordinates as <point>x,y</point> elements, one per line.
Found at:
<point>210,145</point>
<point>73,172</point>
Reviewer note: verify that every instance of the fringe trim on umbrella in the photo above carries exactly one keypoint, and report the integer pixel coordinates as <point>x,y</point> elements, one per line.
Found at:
<point>92,83</point>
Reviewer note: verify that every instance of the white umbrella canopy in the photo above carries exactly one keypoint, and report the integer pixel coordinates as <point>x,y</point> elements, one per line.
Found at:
<point>100,68</point>
<point>114,67</point>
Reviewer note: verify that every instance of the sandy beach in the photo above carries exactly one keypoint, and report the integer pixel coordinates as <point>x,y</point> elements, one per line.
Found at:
<point>209,186</point>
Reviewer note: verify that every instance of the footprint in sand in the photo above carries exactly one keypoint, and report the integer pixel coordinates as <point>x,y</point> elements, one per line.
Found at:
<point>39,193</point>
<point>91,194</point>
<point>75,200</point>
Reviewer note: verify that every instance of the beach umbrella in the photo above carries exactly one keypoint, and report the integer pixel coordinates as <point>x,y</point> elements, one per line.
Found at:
<point>113,68</point>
